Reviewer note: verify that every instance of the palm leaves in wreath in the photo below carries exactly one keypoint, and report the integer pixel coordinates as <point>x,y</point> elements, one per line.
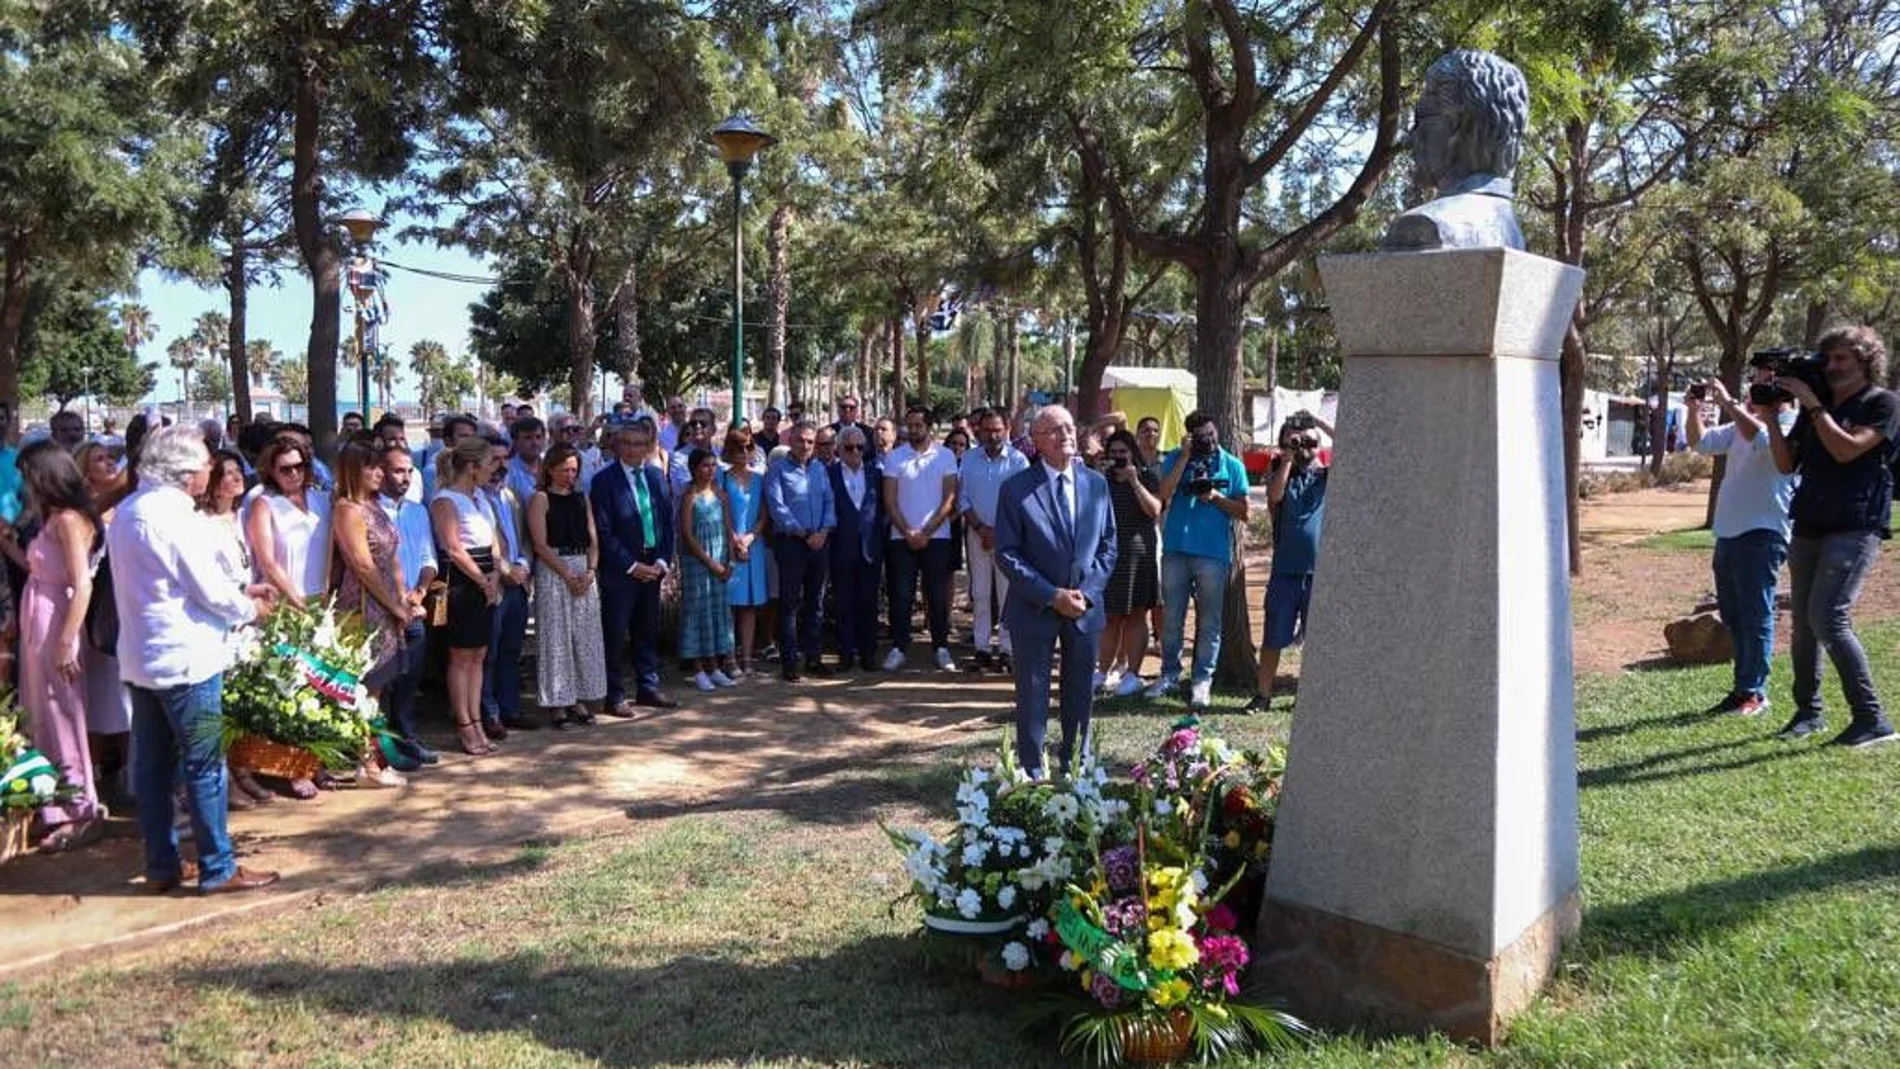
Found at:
<point>1216,1030</point>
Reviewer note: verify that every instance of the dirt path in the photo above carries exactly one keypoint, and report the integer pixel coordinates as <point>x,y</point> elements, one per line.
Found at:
<point>469,815</point>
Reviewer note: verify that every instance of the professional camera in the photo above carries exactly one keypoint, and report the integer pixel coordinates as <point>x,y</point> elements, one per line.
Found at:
<point>1802,366</point>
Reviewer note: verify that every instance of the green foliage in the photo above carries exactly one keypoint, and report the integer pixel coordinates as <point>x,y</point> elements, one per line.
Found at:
<point>291,377</point>
<point>211,385</point>
<point>71,343</point>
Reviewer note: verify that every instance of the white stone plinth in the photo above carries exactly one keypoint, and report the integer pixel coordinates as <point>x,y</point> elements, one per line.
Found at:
<point>1431,790</point>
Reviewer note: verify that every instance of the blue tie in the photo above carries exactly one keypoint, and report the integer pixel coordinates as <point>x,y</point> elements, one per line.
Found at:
<point>1062,506</point>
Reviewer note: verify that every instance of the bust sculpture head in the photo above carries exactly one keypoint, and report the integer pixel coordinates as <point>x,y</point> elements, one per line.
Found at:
<point>1467,132</point>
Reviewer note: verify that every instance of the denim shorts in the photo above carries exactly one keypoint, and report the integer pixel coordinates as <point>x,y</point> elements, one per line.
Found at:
<point>1287,599</point>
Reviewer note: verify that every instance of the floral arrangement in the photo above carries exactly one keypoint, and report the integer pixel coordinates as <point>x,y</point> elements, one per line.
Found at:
<point>27,779</point>
<point>297,681</point>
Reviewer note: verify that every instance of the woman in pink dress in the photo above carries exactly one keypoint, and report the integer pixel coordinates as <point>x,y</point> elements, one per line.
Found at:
<point>52,614</point>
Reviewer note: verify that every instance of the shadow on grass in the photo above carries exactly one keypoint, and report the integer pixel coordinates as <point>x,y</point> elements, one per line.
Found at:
<point>868,1003</point>
<point>1651,768</point>
<point>1662,923</point>
<point>1687,718</point>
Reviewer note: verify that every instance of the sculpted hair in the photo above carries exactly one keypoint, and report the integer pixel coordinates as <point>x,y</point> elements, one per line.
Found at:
<point>1493,105</point>
<point>1866,345</point>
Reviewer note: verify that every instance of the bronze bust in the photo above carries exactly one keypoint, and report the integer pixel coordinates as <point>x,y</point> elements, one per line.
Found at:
<point>1466,134</point>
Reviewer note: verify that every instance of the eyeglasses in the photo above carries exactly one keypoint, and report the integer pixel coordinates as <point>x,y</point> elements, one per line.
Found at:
<point>849,406</point>
<point>292,469</point>
<point>853,448</point>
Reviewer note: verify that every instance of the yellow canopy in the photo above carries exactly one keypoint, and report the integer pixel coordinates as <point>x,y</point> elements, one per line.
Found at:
<point>1167,404</point>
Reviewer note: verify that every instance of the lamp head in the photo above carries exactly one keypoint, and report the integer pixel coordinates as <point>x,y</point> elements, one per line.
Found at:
<point>361,225</point>
<point>739,139</point>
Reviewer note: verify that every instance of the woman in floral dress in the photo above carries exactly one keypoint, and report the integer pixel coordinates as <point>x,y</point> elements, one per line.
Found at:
<point>371,586</point>
<point>705,575</point>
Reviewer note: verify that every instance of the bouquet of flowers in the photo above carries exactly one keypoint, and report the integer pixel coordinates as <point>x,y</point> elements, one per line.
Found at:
<point>27,781</point>
<point>297,682</point>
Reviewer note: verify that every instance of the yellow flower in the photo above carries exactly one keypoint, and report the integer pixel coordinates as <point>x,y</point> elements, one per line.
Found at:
<point>1172,948</point>
<point>1170,992</point>
<point>1231,839</point>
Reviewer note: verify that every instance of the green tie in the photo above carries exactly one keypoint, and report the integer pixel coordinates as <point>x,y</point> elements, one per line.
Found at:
<point>639,480</point>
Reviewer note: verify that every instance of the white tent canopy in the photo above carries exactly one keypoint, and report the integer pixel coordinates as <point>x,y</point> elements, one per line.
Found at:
<point>1167,378</point>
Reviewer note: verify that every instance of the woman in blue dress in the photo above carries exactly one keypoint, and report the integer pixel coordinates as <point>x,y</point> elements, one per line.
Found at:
<point>745,511</point>
<point>705,550</point>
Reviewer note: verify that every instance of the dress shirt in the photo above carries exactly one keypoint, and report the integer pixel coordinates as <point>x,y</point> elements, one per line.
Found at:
<point>678,475</point>
<point>507,527</point>
<point>853,483</point>
<point>980,480</point>
<point>521,479</point>
<point>799,499</point>
<point>416,550</point>
<point>175,597</point>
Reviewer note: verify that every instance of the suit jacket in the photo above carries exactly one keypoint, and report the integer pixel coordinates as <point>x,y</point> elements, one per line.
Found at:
<point>863,528</point>
<point>1041,557</point>
<point>617,520</point>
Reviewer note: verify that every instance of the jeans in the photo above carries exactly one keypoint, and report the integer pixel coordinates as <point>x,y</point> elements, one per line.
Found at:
<point>1745,569</point>
<point>1205,580</point>
<point>501,672</point>
<point>166,722</point>
<point>399,697</point>
<point>934,561</point>
<point>1827,572</point>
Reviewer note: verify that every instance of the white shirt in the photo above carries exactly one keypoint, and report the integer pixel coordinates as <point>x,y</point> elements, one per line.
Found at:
<point>1755,495</point>
<point>300,539</point>
<point>920,485</point>
<point>853,483</point>
<point>175,597</point>
<point>1067,484</point>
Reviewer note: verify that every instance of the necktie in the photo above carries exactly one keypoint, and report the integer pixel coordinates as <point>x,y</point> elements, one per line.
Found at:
<point>639,480</point>
<point>1062,505</point>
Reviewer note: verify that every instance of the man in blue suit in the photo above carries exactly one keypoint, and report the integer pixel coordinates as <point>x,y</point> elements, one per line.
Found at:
<point>857,547</point>
<point>1055,538</point>
<point>636,550</point>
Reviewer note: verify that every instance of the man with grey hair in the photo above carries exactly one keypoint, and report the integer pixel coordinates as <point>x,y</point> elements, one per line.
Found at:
<point>857,546</point>
<point>178,592</point>
<point>1466,134</point>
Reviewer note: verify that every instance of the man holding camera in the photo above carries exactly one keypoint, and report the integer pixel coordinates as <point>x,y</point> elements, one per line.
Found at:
<point>1751,525</point>
<point>1842,445</point>
<point>1296,497</point>
<point>1204,488</point>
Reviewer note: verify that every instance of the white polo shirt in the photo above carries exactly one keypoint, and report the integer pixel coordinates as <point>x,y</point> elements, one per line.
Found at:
<point>920,484</point>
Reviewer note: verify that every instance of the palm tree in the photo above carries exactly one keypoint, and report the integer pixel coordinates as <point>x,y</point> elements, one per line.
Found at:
<point>184,354</point>
<point>383,370</point>
<point>263,359</point>
<point>428,359</point>
<point>137,324</point>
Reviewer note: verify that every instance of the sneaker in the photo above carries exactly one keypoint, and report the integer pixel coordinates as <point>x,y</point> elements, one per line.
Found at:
<point>1801,727</point>
<point>1728,704</point>
<point>1161,688</point>
<point>1129,686</point>
<point>1259,703</point>
<point>1200,694</point>
<point>945,661</point>
<point>1861,736</point>
<point>894,660</point>
<point>1099,681</point>
<point>701,682</point>
<point>1752,705</point>
<point>721,679</point>
<point>1002,662</point>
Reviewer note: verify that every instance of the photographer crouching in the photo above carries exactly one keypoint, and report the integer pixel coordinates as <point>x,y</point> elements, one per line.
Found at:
<point>1842,446</point>
<point>1751,523</point>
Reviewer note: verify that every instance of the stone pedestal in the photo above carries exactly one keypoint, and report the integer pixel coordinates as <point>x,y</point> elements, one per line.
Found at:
<point>1424,867</point>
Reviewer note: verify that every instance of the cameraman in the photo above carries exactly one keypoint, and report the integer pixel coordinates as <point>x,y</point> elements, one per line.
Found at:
<point>1842,446</point>
<point>1751,526</point>
<point>1204,490</point>
<point>1296,496</point>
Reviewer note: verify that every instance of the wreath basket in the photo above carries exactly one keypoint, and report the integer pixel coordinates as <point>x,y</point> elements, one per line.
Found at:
<point>260,754</point>
<point>13,833</point>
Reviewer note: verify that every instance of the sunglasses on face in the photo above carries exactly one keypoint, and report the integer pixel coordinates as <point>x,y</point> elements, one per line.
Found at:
<point>852,448</point>
<point>293,469</point>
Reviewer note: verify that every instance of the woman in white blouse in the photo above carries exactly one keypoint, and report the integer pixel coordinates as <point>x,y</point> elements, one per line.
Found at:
<point>288,525</point>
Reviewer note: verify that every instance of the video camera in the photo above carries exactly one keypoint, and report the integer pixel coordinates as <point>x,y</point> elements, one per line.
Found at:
<point>1802,366</point>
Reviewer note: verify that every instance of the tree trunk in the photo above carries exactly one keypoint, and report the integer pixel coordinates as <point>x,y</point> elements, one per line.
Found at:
<point>1013,403</point>
<point>1818,310</point>
<point>777,242</point>
<point>1570,367</point>
<point>1219,310</point>
<point>12,319</point>
<point>923,361</point>
<point>1104,341</point>
<point>237,286</point>
<point>897,369</point>
<point>1273,361</point>
<point>626,326</point>
<point>1660,437</point>
<point>321,259</point>
<point>581,329</point>
<point>999,361</point>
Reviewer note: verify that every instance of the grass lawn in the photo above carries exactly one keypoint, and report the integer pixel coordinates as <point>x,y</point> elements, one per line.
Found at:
<point>1692,540</point>
<point>1741,911</point>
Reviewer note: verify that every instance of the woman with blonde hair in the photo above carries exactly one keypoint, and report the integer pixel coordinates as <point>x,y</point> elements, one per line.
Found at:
<point>465,532</point>
<point>571,666</point>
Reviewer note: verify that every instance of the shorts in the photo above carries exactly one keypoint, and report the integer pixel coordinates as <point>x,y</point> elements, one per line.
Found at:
<point>1288,597</point>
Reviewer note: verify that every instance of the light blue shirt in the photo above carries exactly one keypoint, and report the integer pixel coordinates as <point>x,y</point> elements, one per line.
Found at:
<point>416,550</point>
<point>507,527</point>
<point>1755,494</point>
<point>799,499</point>
<point>10,484</point>
<point>981,480</point>
<point>521,479</point>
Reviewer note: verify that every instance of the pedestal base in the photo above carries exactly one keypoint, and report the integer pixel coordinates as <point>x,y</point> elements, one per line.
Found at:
<point>1332,970</point>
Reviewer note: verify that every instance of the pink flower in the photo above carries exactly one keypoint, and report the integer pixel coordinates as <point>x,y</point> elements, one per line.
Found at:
<point>1222,958</point>
<point>1221,918</point>
<point>1181,741</point>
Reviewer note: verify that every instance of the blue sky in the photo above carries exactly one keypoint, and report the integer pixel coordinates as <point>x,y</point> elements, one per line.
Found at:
<point>420,307</point>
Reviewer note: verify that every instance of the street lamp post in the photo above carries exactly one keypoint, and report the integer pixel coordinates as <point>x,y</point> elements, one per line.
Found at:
<point>362,227</point>
<point>738,139</point>
<point>86,370</point>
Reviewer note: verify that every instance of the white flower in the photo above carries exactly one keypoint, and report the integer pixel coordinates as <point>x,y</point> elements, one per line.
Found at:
<point>1015,956</point>
<point>969,903</point>
<point>1062,808</point>
<point>1038,929</point>
<point>1007,896</point>
<point>1200,881</point>
<point>44,783</point>
<point>1054,844</point>
<point>1068,961</point>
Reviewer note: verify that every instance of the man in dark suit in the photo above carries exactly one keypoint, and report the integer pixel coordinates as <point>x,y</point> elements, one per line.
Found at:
<point>1055,538</point>
<point>636,550</point>
<point>857,547</point>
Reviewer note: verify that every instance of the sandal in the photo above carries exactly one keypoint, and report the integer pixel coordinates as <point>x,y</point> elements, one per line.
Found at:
<point>71,836</point>
<point>303,790</point>
<point>579,714</point>
<point>380,777</point>
<point>474,743</point>
<point>247,785</point>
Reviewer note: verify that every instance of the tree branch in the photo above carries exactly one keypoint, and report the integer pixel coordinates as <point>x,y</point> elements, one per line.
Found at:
<point>1297,126</point>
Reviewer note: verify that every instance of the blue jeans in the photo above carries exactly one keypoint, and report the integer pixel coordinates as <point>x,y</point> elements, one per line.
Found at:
<point>501,671</point>
<point>1185,575</point>
<point>1745,570</point>
<point>399,697</point>
<point>166,723</point>
<point>1827,573</point>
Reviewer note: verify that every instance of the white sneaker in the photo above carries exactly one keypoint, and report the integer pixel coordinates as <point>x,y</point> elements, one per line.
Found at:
<point>1161,688</point>
<point>1199,694</point>
<point>701,683</point>
<point>1129,686</point>
<point>721,679</point>
<point>945,661</point>
<point>894,660</point>
<point>1100,681</point>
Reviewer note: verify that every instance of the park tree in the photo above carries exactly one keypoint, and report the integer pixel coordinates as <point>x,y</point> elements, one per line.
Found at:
<point>213,385</point>
<point>260,360</point>
<point>137,325</point>
<point>71,346</point>
<point>292,379</point>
